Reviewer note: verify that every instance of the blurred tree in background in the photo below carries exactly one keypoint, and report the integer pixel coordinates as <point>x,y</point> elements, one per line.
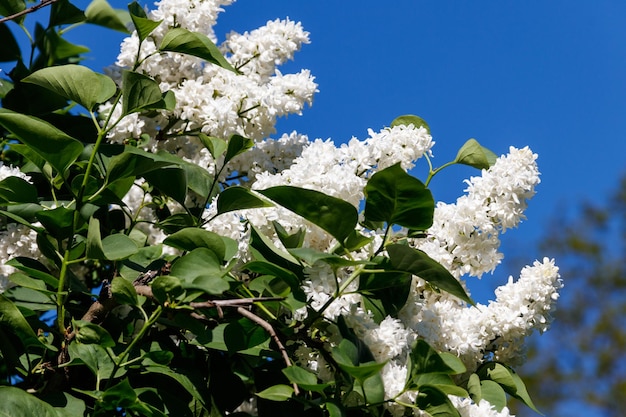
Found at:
<point>579,368</point>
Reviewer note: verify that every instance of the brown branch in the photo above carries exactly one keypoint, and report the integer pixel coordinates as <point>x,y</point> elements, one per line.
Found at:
<point>41,4</point>
<point>268,328</point>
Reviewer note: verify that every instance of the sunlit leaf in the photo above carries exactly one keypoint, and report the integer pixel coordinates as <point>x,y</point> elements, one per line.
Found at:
<point>332,214</point>
<point>75,82</point>
<point>192,238</point>
<point>278,392</point>
<point>140,92</point>
<point>216,146</point>
<point>118,246</point>
<point>51,144</point>
<point>143,25</point>
<point>395,197</point>
<point>100,12</point>
<point>407,259</point>
<point>474,154</point>
<point>16,402</point>
<point>191,43</point>
<point>239,198</point>
<point>410,119</point>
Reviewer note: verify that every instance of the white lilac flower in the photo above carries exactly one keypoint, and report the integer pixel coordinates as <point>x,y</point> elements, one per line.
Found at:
<point>404,144</point>
<point>468,408</point>
<point>209,98</point>
<point>257,53</point>
<point>9,171</point>
<point>498,329</point>
<point>16,240</point>
<point>464,236</point>
<point>320,286</point>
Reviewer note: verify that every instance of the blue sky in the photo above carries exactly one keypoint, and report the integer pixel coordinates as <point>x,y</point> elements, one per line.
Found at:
<point>549,75</point>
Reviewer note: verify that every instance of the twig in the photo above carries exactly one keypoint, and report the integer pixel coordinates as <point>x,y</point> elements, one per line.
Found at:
<point>268,328</point>
<point>41,4</point>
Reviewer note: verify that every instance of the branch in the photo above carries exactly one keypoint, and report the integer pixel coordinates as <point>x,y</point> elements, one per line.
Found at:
<point>41,4</point>
<point>268,328</point>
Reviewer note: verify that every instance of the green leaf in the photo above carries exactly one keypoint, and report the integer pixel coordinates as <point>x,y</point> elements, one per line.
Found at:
<point>34,269</point>
<point>493,393</point>
<point>131,164</point>
<point>409,119</point>
<point>75,82</point>
<point>384,293</point>
<point>395,197</point>
<point>166,288</point>
<point>186,42</point>
<point>18,403</point>
<point>94,242</point>
<point>216,146</point>
<point>337,217</point>
<point>58,221</point>
<point>443,382</point>
<point>171,181</point>
<point>123,291</point>
<point>237,145</point>
<point>506,377</point>
<point>65,13</point>
<point>278,392</point>
<point>90,333</point>
<point>177,222</point>
<point>192,238</point>
<point>11,7</point>
<point>243,335</point>
<point>289,241</point>
<point>198,262</point>
<point>406,259</point>
<point>95,357</point>
<point>12,320</point>
<point>300,376</point>
<point>118,246</point>
<point>474,389</point>
<point>27,282</point>
<point>143,25</point>
<point>267,268</point>
<point>182,379</point>
<point>59,48</point>
<point>14,190</point>
<point>119,395</point>
<point>5,87</point>
<point>334,410</point>
<point>264,249</point>
<point>310,256</point>
<point>373,388</point>
<point>425,360</point>
<point>9,49</point>
<point>53,145</point>
<point>363,371</point>
<point>100,12</point>
<point>140,92</point>
<point>474,154</point>
<point>435,402</point>
<point>239,198</point>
